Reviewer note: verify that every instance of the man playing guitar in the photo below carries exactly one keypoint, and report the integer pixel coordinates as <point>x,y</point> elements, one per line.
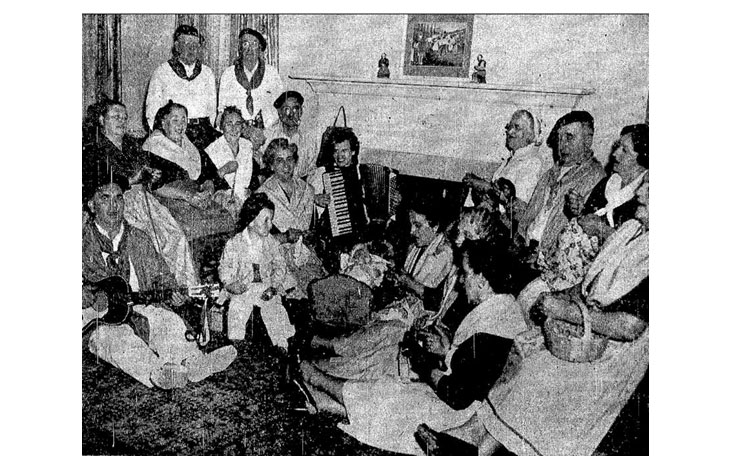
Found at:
<point>150,343</point>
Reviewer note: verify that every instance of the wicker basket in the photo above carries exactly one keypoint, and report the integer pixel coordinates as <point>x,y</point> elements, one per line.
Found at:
<point>563,343</point>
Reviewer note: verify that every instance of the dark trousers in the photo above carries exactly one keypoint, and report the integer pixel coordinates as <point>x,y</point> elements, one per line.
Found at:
<point>201,132</point>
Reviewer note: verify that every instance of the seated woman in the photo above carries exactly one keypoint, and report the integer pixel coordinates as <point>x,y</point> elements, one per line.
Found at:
<point>294,201</point>
<point>254,273</point>
<point>116,152</point>
<point>341,153</point>
<point>232,155</point>
<point>552,407</point>
<point>455,376</point>
<point>609,205</point>
<point>188,178</point>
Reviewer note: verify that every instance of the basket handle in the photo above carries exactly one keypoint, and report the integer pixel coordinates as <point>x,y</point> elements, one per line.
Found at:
<point>585,320</point>
<point>345,123</point>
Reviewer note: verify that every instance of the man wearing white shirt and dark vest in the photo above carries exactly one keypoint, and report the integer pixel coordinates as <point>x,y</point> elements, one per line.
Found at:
<point>524,164</point>
<point>151,344</point>
<point>185,80</point>
<point>575,171</point>
<point>252,86</point>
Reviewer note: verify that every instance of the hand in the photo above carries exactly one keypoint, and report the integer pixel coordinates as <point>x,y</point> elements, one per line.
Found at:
<point>269,293</point>
<point>322,200</point>
<point>470,179</point>
<point>229,167</point>
<point>574,204</point>
<point>595,226</point>
<point>101,302</point>
<point>294,234</point>
<point>177,299</point>
<point>434,342</point>
<point>155,174</point>
<point>237,287</point>
<point>200,200</point>
<point>254,135</point>
<point>208,187</point>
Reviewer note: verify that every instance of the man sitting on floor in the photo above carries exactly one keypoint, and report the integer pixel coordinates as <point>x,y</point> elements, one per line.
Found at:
<point>151,344</point>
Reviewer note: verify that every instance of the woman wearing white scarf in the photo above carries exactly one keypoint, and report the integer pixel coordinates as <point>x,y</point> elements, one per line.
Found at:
<point>185,178</point>
<point>384,413</point>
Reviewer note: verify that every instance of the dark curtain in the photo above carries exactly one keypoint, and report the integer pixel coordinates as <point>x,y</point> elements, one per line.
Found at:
<point>267,25</point>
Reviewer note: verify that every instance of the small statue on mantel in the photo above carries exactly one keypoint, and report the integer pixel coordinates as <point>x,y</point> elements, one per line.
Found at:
<point>383,67</point>
<point>479,74</point>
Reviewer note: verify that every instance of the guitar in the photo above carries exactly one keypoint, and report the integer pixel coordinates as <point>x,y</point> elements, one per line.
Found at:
<point>120,299</point>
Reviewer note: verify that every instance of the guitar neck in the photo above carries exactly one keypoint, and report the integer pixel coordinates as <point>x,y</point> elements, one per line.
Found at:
<point>202,291</point>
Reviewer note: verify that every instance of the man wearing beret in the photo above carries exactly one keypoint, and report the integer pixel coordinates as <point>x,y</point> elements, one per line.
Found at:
<point>289,109</point>
<point>151,344</point>
<point>252,86</point>
<point>575,171</point>
<point>185,80</point>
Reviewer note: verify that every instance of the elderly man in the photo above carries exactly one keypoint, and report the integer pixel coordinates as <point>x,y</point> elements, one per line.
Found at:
<point>185,80</point>
<point>251,85</point>
<point>524,164</point>
<point>289,109</point>
<point>151,344</point>
<point>575,171</point>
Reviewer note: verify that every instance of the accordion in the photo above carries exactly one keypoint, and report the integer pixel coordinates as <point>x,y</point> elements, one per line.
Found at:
<point>381,191</point>
<point>345,210</point>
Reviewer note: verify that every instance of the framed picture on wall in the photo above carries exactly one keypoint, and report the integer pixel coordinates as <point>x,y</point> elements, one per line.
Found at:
<point>438,45</point>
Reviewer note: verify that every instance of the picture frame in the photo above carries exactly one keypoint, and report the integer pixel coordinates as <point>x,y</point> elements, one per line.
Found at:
<point>438,45</point>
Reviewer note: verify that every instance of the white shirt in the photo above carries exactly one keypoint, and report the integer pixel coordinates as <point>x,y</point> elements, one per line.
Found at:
<point>523,169</point>
<point>231,93</point>
<point>220,153</point>
<point>537,227</point>
<point>197,95</point>
<point>134,283</point>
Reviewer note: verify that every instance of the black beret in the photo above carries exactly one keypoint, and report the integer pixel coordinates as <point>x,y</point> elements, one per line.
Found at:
<point>288,94</point>
<point>256,34</point>
<point>573,116</point>
<point>186,29</point>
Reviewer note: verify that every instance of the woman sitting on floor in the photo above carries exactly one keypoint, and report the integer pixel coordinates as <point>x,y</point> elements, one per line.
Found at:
<point>552,407</point>
<point>188,177</point>
<point>116,152</point>
<point>294,202</point>
<point>455,376</point>
<point>373,351</point>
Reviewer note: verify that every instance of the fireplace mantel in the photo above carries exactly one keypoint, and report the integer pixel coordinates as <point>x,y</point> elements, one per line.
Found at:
<point>435,127</point>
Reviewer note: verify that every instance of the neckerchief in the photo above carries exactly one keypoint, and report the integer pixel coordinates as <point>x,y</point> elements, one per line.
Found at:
<point>181,71</point>
<point>117,263</point>
<point>257,77</point>
<point>616,195</point>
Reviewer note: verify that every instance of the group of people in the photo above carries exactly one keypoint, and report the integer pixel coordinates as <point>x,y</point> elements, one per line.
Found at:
<point>434,368</point>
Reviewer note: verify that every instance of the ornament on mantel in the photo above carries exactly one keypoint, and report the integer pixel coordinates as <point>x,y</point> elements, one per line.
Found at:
<point>383,67</point>
<point>479,74</point>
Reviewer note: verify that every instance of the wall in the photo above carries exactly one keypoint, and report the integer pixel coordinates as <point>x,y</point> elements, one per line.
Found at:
<point>606,52</point>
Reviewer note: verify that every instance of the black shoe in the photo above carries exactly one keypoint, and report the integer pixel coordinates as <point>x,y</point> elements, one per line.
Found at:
<point>310,405</point>
<point>439,443</point>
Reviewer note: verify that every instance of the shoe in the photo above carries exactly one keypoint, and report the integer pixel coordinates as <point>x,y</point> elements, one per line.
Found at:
<point>169,376</point>
<point>210,363</point>
<point>310,405</point>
